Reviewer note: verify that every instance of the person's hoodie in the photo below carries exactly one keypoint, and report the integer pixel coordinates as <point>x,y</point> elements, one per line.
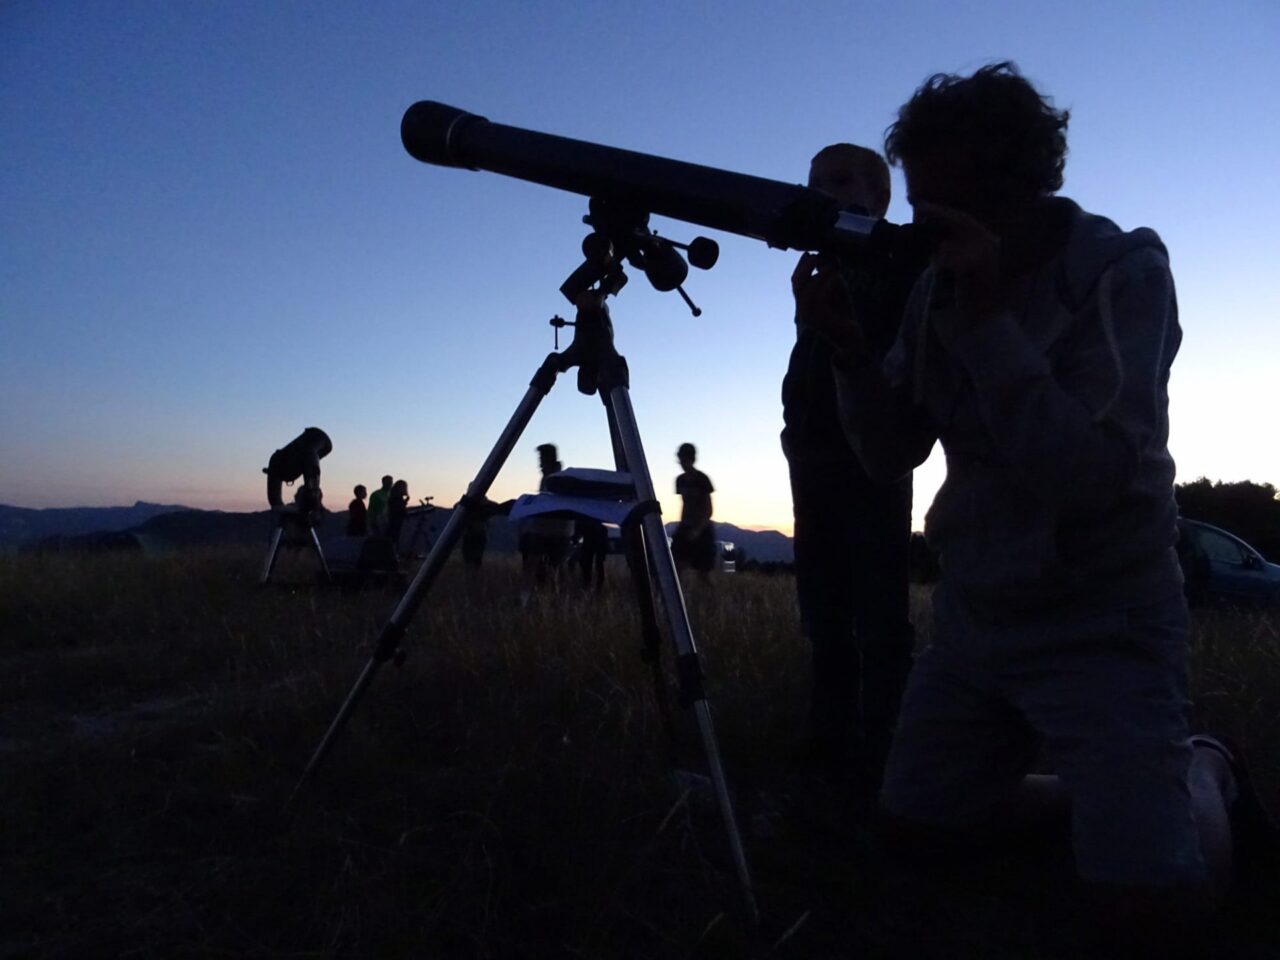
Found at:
<point>1054,419</point>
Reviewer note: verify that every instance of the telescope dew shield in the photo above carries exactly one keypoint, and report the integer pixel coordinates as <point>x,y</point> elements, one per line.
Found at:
<point>783,215</point>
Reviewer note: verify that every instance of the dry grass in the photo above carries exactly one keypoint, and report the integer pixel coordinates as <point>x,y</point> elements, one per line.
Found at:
<point>505,793</point>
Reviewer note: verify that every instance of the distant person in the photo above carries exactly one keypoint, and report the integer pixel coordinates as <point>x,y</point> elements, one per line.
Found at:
<point>358,514</point>
<point>694,542</point>
<point>593,547</point>
<point>397,507</point>
<point>545,541</point>
<point>475,536</point>
<point>378,501</point>
<point>1196,568</point>
<point>852,534</point>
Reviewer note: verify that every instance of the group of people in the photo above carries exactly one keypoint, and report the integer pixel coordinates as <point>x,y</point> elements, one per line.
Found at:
<point>1034,341</point>
<point>548,543</point>
<point>384,514</point>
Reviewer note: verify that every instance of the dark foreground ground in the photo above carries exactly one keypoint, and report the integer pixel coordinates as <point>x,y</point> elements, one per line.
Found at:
<point>507,792</point>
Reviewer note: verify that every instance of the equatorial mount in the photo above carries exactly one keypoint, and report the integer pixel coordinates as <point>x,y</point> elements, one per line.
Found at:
<point>619,234</point>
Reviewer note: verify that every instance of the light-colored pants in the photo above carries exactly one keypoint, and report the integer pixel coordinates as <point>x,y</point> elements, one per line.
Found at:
<point>1104,695</point>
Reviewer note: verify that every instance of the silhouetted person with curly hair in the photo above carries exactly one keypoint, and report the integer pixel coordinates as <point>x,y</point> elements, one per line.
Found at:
<point>694,542</point>
<point>1037,350</point>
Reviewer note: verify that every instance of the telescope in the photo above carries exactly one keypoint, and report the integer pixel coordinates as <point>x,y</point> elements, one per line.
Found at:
<point>783,215</point>
<point>300,457</point>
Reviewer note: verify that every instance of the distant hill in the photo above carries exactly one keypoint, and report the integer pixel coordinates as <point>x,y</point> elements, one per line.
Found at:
<point>199,528</point>
<point>19,525</point>
<point>159,526</point>
<point>765,546</point>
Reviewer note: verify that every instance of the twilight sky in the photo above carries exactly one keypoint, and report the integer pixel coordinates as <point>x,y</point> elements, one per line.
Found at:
<point>212,238</point>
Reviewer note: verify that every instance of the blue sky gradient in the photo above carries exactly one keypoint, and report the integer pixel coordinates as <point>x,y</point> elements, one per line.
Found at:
<point>213,238</point>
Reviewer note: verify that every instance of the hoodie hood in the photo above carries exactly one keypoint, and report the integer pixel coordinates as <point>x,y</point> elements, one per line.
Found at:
<point>1094,245</point>
<point>1054,420</point>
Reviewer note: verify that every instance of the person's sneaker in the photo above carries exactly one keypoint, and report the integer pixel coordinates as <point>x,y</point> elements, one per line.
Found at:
<point>1255,836</point>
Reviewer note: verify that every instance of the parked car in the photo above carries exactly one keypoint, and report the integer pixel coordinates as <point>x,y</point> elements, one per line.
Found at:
<point>726,556</point>
<point>1219,565</point>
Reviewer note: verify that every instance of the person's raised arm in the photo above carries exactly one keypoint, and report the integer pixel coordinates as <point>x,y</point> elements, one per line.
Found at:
<point>1077,429</point>
<point>889,432</point>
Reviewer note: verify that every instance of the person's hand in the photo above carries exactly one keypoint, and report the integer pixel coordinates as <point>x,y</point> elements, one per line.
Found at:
<point>823,304</point>
<point>970,254</point>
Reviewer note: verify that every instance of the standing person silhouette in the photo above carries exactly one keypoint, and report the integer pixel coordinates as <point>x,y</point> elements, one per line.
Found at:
<point>1037,349</point>
<point>694,542</point>
<point>378,507</point>
<point>852,534</point>
<point>358,514</point>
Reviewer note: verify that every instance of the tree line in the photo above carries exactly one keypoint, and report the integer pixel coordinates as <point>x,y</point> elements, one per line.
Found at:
<point>1249,510</point>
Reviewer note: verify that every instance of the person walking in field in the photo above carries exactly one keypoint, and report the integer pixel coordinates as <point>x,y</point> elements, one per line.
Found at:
<point>358,514</point>
<point>397,507</point>
<point>852,534</point>
<point>544,541</point>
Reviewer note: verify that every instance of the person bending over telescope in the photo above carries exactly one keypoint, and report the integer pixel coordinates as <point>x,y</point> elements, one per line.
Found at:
<point>852,534</point>
<point>1037,349</point>
<point>299,458</point>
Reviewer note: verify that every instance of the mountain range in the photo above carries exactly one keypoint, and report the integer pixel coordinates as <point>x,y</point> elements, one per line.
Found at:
<point>169,526</point>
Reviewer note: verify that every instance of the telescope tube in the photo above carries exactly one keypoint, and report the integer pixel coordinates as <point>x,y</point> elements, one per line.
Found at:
<point>783,215</point>
<point>300,457</point>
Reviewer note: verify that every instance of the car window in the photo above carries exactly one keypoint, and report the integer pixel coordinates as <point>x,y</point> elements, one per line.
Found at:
<point>1218,547</point>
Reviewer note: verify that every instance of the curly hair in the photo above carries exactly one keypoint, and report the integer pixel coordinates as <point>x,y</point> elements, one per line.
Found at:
<point>1020,138</point>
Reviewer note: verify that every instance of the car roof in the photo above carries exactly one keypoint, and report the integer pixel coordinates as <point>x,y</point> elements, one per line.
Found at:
<point>1210,526</point>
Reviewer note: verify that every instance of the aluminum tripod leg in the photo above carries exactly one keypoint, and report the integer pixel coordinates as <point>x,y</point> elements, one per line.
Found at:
<point>272,552</point>
<point>651,638</point>
<point>324,564</point>
<point>688,665</point>
<point>389,639</point>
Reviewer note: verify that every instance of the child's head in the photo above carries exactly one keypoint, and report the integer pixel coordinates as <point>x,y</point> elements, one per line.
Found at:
<point>855,176</point>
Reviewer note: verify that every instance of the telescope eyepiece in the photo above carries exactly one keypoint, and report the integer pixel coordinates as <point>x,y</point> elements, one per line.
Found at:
<point>430,131</point>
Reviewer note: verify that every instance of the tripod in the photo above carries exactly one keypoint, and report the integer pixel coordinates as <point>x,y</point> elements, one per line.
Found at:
<point>293,529</point>
<point>618,234</point>
<point>420,536</point>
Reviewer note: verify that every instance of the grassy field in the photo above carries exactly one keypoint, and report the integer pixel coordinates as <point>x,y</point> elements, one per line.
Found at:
<point>507,792</point>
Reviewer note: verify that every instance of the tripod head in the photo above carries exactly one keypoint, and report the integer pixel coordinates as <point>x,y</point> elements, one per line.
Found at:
<point>620,233</point>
